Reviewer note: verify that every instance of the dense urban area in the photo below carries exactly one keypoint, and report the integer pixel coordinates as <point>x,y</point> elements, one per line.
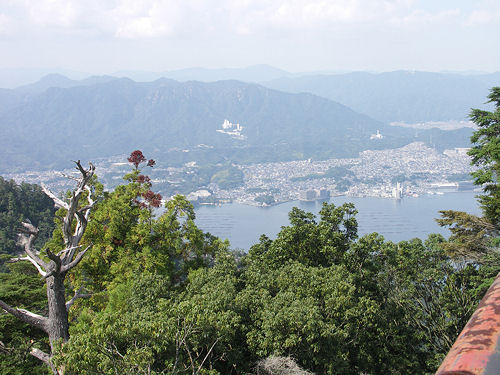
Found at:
<point>412,170</point>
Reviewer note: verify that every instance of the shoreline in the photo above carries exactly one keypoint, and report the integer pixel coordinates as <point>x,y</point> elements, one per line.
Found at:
<point>255,204</point>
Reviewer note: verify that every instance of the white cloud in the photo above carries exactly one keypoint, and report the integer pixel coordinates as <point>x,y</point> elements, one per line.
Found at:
<point>311,14</point>
<point>59,13</point>
<point>158,18</point>
<point>419,18</point>
<point>483,17</point>
<point>132,19</point>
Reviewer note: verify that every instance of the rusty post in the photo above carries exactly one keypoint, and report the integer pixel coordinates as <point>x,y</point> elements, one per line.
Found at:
<point>477,349</point>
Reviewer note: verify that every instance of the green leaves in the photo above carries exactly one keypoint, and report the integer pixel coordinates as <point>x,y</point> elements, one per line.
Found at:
<point>312,243</point>
<point>475,237</point>
<point>18,203</point>
<point>21,287</point>
<point>486,155</point>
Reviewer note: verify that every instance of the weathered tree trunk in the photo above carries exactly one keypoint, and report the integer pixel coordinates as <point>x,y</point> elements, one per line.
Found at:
<point>57,323</point>
<point>54,272</point>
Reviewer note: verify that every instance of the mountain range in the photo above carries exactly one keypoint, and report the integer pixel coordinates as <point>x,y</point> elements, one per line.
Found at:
<point>44,127</point>
<point>399,96</point>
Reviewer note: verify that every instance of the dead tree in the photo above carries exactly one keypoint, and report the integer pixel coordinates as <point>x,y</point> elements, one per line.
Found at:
<point>55,267</point>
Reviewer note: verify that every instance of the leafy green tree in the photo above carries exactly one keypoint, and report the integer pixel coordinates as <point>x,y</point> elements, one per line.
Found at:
<point>301,311</point>
<point>435,296</point>
<point>312,294</point>
<point>127,239</point>
<point>400,306</point>
<point>472,236</point>
<point>312,243</point>
<point>208,321</point>
<point>149,326</point>
<point>127,336</point>
<point>486,155</point>
<point>155,306</point>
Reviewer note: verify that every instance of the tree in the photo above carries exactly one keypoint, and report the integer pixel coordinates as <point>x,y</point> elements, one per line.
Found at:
<point>475,237</point>
<point>312,243</point>
<point>156,306</point>
<point>486,155</point>
<point>54,267</point>
<point>433,295</point>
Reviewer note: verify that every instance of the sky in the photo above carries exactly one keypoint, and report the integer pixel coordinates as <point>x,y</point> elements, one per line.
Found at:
<point>106,36</point>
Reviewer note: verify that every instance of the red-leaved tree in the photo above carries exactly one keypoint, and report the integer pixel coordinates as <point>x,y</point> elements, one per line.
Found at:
<point>149,198</point>
<point>136,158</point>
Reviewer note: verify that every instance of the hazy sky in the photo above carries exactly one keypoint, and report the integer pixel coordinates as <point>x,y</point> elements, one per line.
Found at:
<point>104,36</point>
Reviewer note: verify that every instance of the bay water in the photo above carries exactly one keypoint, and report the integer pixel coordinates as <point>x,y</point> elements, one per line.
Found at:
<point>396,220</point>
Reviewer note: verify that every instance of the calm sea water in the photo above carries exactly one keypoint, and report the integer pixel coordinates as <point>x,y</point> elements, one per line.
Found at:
<point>395,220</point>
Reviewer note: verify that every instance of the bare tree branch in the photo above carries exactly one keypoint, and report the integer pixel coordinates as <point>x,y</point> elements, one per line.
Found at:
<point>89,198</point>
<point>57,201</point>
<point>50,273</point>
<point>208,353</point>
<point>56,325</point>
<point>77,295</point>
<point>68,257</point>
<point>45,358</point>
<point>26,316</point>
<point>38,267</point>
<point>53,257</point>
<point>80,227</point>
<point>77,260</point>
<point>4,348</point>
<point>26,237</point>
<point>42,356</point>
<point>80,168</point>
<point>73,238</point>
<point>190,357</point>
<point>64,251</point>
<point>28,228</point>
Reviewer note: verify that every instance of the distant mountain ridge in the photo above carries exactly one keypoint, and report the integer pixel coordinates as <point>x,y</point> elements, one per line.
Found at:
<point>11,98</point>
<point>254,74</point>
<point>61,81</point>
<point>15,78</point>
<point>400,96</point>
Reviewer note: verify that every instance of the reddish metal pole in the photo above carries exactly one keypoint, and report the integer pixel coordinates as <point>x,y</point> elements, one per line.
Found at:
<point>477,349</point>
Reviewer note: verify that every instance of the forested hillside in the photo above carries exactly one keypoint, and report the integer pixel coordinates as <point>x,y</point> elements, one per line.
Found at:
<point>18,203</point>
<point>182,122</point>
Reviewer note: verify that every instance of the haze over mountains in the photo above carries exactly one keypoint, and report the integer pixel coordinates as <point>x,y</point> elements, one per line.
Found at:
<point>54,120</point>
<point>400,96</point>
<point>13,78</point>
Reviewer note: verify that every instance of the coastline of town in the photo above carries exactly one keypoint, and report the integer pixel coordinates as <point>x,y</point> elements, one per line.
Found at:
<point>413,170</point>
